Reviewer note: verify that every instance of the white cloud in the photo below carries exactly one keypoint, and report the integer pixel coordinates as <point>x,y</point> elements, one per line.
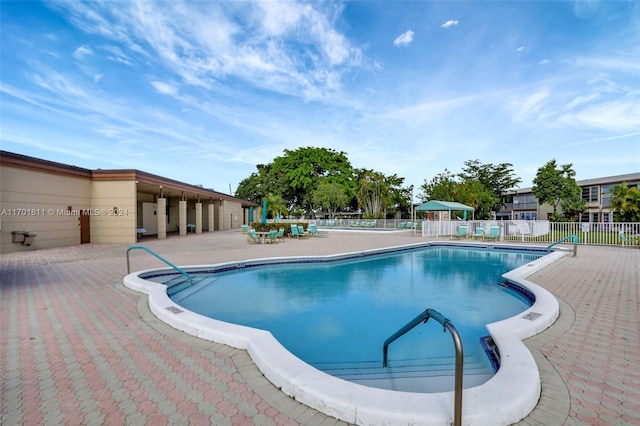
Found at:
<point>529,107</point>
<point>404,39</point>
<point>450,23</point>
<point>544,62</point>
<point>520,49</point>
<point>82,51</point>
<point>616,116</point>
<point>164,88</point>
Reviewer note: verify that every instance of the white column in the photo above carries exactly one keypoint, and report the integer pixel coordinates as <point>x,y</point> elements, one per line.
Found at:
<point>198,218</point>
<point>211,218</point>
<point>162,218</point>
<point>182,217</point>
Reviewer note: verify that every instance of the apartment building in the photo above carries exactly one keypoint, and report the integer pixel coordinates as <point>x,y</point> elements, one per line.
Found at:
<point>595,193</point>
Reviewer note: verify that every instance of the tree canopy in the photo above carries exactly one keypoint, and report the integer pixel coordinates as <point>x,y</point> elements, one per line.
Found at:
<point>625,203</point>
<point>483,186</point>
<point>555,185</point>
<point>313,180</point>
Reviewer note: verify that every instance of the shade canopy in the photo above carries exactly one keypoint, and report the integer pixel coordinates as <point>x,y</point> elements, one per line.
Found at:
<point>443,206</point>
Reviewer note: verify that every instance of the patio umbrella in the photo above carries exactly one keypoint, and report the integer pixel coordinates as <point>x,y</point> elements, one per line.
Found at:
<point>264,212</point>
<point>250,214</point>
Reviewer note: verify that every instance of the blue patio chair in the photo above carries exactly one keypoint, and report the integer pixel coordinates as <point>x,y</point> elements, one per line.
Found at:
<point>630,240</point>
<point>302,233</point>
<point>494,233</point>
<point>252,237</point>
<point>315,233</point>
<point>272,237</point>
<point>479,233</point>
<point>461,232</point>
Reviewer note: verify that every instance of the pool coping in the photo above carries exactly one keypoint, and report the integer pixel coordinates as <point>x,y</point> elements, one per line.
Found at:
<point>506,398</point>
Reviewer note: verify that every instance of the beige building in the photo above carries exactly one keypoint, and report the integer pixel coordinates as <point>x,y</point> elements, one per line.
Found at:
<point>44,204</point>
<point>595,193</point>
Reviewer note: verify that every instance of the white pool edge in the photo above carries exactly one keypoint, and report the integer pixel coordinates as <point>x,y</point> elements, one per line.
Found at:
<point>504,399</point>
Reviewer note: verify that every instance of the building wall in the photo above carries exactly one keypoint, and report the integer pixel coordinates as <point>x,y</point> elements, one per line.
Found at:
<point>68,205</point>
<point>230,214</point>
<point>595,193</point>
<point>114,212</point>
<point>42,202</point>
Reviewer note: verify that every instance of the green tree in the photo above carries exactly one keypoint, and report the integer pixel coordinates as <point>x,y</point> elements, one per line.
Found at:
<point>331,197</point>
<point>376,192</point>
<point>261,183</point>
<point>300,172</point>
<point>625,203</point>
<point>556,185</point>
<point>251,188</point>
<point>275,204</point>
<point>496,182</point>
<point>441,187</point>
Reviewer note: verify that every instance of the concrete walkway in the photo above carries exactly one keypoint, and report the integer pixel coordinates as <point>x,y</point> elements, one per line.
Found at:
<point>77,347</point>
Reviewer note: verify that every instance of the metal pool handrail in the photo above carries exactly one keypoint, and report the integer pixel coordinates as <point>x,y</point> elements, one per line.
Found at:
<point>424,317</point>
<point>576,240</point>
<point>159,257</point>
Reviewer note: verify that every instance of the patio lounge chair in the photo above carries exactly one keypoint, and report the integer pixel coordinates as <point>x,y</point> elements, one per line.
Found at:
<point>280,235</point>
<point>494,233</point>
<point>302,232</point>
<point>297,231</point>
<point>479,233</point>
<point>629,240</point>
<point>315,233</point>
<point>252,237</point>
<point>272,237</point>
<point>461,232</point>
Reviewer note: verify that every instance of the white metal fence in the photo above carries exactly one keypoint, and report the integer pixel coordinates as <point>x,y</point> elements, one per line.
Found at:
<point>540,231</point>
<point>596,233</point>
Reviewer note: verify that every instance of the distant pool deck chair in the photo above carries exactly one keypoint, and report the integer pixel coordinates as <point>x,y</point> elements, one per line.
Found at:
<point>461,232</point>
<point>479,233</point>
<point>629,240</point>
<point>252,237</point>
<point>314,231</point>
<point>494,233</point>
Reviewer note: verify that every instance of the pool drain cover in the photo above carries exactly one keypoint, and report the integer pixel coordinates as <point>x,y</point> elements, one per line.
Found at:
<point>174,310</point>
<point>532,316</point>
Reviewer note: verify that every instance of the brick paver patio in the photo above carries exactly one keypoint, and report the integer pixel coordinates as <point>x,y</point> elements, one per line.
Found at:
<point>77,347</point>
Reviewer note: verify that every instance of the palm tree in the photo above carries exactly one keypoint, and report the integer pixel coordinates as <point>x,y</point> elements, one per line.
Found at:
<point>625,203</point>
<point>275,204</point>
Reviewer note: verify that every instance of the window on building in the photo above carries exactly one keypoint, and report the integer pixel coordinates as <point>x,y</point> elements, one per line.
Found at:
<point>584,217</point>
<point>590,193</point>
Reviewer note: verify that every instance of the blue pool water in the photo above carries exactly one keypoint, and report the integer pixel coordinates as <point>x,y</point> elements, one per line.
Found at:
<point>337,315</point>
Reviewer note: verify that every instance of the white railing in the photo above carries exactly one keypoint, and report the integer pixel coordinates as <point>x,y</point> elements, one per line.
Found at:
<point>595,233</point>
<point>542,231</point>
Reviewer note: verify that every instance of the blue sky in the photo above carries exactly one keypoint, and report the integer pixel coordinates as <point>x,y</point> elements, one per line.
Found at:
<point>202,91</point>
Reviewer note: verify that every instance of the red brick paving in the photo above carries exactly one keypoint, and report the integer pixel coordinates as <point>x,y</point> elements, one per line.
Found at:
<point>77,347</point>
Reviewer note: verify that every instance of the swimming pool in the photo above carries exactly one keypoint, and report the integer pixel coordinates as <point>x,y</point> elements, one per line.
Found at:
<point>336,315</point>
<point>353,402</point>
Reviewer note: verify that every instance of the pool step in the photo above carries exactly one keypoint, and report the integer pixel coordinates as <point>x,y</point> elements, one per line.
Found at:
<point>414,375</point>
<point>185,287</point>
